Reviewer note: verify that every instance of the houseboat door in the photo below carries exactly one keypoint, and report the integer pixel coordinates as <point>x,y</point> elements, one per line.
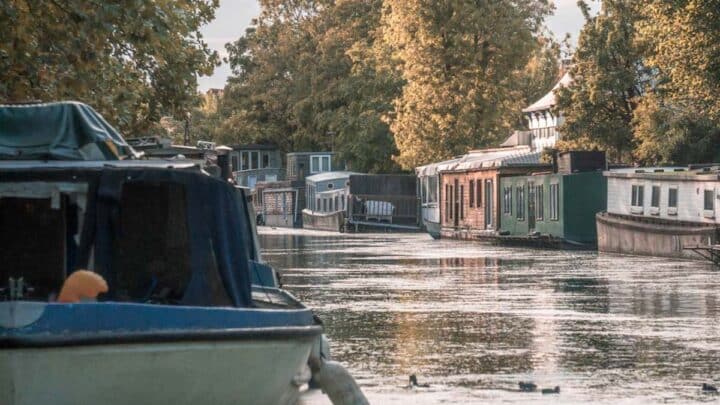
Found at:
<point>456,203</point>
<point>531,207</point>
<point>489,204</point>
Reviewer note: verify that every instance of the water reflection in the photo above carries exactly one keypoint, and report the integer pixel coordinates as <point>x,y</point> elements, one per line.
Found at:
<point>473,319</point>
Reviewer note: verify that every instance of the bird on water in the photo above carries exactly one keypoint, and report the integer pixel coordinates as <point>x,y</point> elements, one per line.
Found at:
<point>709,388</point>
<point>527,386</point>
<point>414,382</point>
<point>555,390</point>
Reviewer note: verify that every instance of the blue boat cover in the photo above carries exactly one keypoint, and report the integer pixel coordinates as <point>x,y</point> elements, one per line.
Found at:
<point>65,130</point>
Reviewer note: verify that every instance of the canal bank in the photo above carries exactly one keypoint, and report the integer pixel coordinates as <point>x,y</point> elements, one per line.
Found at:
<point>472,319</point>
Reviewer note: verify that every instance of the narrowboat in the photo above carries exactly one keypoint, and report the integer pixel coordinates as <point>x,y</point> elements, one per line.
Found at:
<point>179,307</point>
<point>326,196</point>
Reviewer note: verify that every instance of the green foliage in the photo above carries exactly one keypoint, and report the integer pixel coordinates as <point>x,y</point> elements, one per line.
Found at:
<point>598,106</point>
<point>460,60</point>
<point>305,78</point>
<point>132,60</point>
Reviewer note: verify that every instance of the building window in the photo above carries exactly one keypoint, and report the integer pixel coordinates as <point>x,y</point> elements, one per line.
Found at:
<point>554,202</point>
<point>320,163</point>
<point>507,201</point>
<point>235,165</point>
<point>672,198</point>
<point>638,197</point>
<point>265,160</point>
<point>325,205</point>
<point>471,193</point>
<point>655,197</point>
<point>432,187</point>
<point>447,202</point>
<point>709,200</point>
<point>520,208</point>
<point>540,204</point>
<point>245,161</point>
<point>462,202</point>
<point>317,205</point>
<point>254,160</point>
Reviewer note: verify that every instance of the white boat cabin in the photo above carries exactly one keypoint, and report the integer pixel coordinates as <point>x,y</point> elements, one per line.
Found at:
<point>682,194</point>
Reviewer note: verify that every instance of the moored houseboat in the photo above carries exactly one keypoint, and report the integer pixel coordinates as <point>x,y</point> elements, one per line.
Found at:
<point>556,208</point>
<point>326,195</point>
<point>428,178</point>
<point>124,277</point>
<point>469,197</point>
<point>662,211</point>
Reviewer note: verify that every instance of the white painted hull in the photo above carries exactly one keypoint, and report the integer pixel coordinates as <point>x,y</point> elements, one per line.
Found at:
<point>226,372</point>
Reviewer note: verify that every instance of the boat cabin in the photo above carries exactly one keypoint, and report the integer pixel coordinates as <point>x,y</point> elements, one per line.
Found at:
<point>255,163</point>
<point>326,195</point>
<point>555,208</point>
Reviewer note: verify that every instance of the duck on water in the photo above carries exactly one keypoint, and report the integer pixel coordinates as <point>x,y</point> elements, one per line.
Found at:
<point>171,302</point>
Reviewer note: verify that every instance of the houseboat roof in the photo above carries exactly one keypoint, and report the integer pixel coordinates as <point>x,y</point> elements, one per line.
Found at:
<point>549,100</point>
<point>432,168</point>
<point>326,176</point>
<point>493,158</point>
<point>67,130</point>
<point>671,173</point>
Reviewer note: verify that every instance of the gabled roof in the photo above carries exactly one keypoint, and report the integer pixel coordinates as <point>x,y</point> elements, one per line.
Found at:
<point>493,158</point>
<point>548,100</point>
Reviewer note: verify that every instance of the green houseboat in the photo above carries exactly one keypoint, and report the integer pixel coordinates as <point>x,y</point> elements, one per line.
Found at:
<point>555,209</point>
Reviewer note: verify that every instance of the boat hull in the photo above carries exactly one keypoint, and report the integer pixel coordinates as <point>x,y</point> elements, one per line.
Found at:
<point>256,370</point>
<point>433,228</point>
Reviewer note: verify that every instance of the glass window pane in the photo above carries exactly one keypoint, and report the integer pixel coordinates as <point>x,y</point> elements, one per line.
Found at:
<point>672,198</point>
<point>655,198</point>
<point>326,163</point>
<point>245,161</point>
<point>709,200</point>
<point>265,160</point>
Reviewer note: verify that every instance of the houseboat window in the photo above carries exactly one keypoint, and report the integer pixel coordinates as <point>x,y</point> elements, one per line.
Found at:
<point>451,201</point>
<point>478,194</point>
<point>433,189</point>
<point>244,161</point>
<point>520,209</point>
<point>325,205</point>
<point>255,160</point>
<point>317,205</point>
<point>319,163</point>
<point>638,197</point>
<point>507,201</point>
<point>471,193</point>
<point>234,162</point>
<point>462,202</point>
<point>447,202</point>
<point>655,197</point>
<point>554,202</point>
<point>709,200</point>
<point>672,198</point>
<point>540,205</point>
<point>265,160</point>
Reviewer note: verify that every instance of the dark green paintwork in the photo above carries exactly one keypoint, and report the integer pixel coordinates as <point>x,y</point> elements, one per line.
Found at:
<point>581,196</point>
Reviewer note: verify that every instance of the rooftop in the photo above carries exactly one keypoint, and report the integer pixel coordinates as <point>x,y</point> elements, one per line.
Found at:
<point>548,100</point>
<point>325,176</point>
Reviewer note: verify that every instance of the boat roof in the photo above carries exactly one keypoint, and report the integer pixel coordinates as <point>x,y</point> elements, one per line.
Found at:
<point>65,130</point>
<point>97,164</point>
<point>692,172</point>
<point>549,100</point>
<point>327,176</point>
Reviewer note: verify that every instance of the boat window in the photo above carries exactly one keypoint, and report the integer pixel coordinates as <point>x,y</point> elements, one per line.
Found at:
<point>638,198</point>
<point>319,163</point>
<point>255,160</point>
<point>234,160</point>
<point>520,208</point>
<point>540,205</point>
<point>709,200</point>
<point>478,194</point>
<point>462,202</point>
<point>554,202</point>
<point>265,160</point>
<point>244,161</point>
<point>507,201</point>
<point>672,198</point>
<point>35,249</point>
<point>655,197</point>
<point>471,193</point>
<point>151,255</point>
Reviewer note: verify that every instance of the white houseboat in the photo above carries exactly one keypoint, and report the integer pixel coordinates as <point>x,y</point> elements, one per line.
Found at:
<point>666,211</point>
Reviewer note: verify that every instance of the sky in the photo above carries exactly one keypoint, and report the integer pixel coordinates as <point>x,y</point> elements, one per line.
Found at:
<point>234,16</point>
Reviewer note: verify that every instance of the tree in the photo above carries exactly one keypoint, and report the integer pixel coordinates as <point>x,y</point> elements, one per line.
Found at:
<point>679,122</point>
<point>607,74</point>
<point>132,60</point>
<point>304,77</point>
<point>460,60</point>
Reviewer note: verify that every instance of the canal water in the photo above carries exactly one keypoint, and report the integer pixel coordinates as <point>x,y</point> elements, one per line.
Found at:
<point>472,320</point>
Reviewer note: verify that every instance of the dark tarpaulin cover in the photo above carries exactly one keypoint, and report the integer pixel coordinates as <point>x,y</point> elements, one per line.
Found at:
<point>64,130</point>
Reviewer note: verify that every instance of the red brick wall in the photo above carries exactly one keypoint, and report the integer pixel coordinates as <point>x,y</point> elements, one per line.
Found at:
<point>474,217</point>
